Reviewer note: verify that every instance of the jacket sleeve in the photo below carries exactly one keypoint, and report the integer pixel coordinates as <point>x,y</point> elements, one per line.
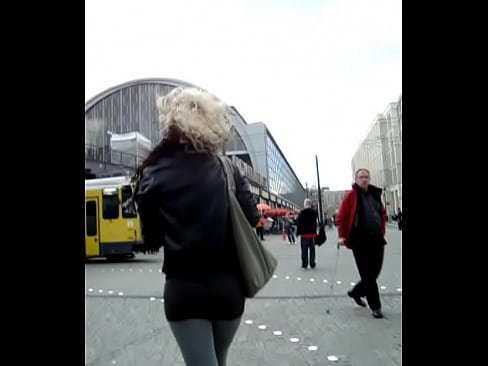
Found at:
<point>149,215</point>
<point>342,217</point>
<point>299,224</point>
<point>245,198</point>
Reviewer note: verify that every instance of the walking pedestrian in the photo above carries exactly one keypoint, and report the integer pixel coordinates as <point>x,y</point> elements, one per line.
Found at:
<point>361,222</point>
<point>203,293</point>
<point>307,229</point>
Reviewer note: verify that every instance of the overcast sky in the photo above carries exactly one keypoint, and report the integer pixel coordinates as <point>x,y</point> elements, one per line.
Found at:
<point>316,72</point>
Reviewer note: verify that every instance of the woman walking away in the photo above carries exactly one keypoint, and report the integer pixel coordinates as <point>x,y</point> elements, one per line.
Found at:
<point>183,208</point>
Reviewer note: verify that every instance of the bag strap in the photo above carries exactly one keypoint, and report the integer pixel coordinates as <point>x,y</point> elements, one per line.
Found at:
<point>228,173</point>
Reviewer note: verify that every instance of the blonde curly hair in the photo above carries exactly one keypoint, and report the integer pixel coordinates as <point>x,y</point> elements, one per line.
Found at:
<point>197,116</point>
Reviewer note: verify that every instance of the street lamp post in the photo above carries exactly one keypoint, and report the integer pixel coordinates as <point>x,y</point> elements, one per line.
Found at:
<point>385,197</point>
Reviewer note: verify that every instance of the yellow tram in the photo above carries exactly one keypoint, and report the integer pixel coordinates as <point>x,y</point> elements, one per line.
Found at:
<point>111,221</point>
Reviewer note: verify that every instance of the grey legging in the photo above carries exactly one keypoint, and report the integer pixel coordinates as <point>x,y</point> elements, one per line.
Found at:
<point>204,342</point>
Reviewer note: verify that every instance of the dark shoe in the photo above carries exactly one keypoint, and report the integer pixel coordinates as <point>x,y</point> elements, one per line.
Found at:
<point>377,314</point>
<point>357,299</point>
<point>312,266</point>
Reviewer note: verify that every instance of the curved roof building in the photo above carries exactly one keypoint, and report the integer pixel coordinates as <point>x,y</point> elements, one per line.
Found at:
<point>131,107</point>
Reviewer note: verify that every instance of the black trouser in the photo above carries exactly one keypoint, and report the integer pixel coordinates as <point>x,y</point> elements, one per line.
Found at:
<point>260,232</point>
<point>369,260</point>
<point>307,244</point>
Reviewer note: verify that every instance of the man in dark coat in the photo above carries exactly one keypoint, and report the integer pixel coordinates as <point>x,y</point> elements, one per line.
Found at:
<point>307,229</point>
<point>361,222</point>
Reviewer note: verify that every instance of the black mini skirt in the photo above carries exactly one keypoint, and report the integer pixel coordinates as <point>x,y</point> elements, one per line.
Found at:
<point>213,297</point>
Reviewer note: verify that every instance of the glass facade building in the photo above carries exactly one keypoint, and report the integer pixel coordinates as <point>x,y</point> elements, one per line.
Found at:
<point>282,180</point>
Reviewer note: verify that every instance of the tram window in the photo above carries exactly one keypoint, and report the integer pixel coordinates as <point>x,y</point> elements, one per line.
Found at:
<point>128,208</point>
<point>110,204</point>
<point>91,218</point>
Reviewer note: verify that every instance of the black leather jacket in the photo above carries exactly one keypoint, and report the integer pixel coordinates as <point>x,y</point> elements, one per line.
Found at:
<point>183,206</point>
<point>307,221</point>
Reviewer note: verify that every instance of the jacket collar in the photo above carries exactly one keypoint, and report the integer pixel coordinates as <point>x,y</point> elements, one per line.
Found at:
<point>375,191</point>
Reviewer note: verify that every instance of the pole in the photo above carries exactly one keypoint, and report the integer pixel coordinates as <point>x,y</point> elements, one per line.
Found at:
<point>334,277</point>
<point>321,213</point>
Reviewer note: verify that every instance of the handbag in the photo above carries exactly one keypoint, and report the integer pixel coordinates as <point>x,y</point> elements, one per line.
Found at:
<point>257,264</point>
<point>321,236</point>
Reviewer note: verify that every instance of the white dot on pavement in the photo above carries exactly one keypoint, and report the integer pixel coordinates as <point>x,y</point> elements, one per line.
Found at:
<point>160,270</point>
<point>248,322</point>
<point>294,340</point>
<point>262,326</point>
<point>287,277</point>
<point>162,300</point>
<point>121,294</point>
<point>324,281</point>
<point>110,292</point>
<point>333,358</point>
<point>383,287</point>
<point>275,276</point>
<point>130,270</point>
<point>100,291</point>
<point>150,270</point>
<point>114,362</point>
<point>352,283</point>
<point>121,270</point>
<point>338,282</point>
<point>90,290</point>
<point>152,298</point>
<point>399,289</point>
<point>299,278</point>
<point>311,280</point>
<point>313,348</point>
<point>113,270</point>
<point>140,270</point>
<point>277,332</point>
